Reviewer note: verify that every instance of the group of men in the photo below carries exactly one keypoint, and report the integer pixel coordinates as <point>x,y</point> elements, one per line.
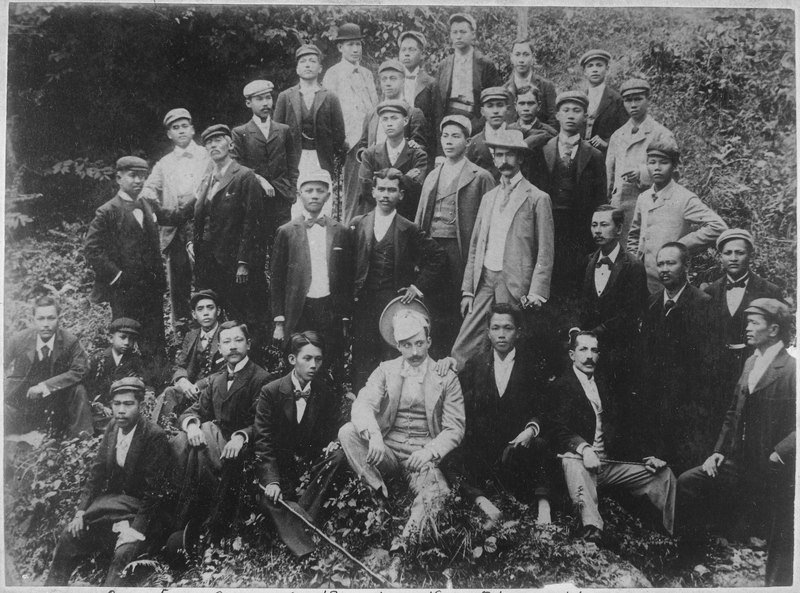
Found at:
<point>471,210</point>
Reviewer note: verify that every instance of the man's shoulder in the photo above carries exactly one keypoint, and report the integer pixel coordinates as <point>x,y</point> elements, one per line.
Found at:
<point>66,336</point>
<point>274,388</point>
<point>534,193</point>
<point>696,295</point>
<point>477,362</point>
<point>242,128</point>
<point>765,287</point>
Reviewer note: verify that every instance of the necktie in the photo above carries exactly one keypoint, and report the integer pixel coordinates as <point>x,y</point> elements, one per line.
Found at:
<point>634,130</point>
<point>231,376</point>
<point>506,196</point>
<point>45,352</point>
<point>604,261</point>
<point>655,197</point>
<point>312,221</point>
<point>205,340</point>
<point>411,77</point>
<point>737,284</point>
<point>668,306</point>
<point>301,394</point>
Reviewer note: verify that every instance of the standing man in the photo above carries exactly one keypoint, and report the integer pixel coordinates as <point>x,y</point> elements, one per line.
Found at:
<point>494,105</point>
<point>606,112</point>
<point>229,234</point>
<point>44,368</point>
<point>528,106</point>
<point>419,87</point>
<point>173,182</point>
<point>448,207</point>
<point>315,120</point>
<point>355,86</point>
<point>511,252</point>
<point>523,76</point>
<point>626,158</point>
<point>265,146</point>
<point>464,74</point>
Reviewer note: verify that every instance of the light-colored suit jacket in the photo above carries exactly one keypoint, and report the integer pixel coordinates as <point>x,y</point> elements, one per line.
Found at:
<point>628,152</point>
<point>358,96</point>
<point>528,255</point>
<point>375,408</point>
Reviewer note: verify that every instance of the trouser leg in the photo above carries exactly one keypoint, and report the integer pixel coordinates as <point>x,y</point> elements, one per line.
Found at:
<point>123,555</point>
<point>430,489</point>
<point>77,413</point>
<point>71,550</point>
<point>582,488</point>
<point>526,470</point>
<point>356,449</point>
<point>701,498</point>
<point>179,278</point>
<point>659,488</point>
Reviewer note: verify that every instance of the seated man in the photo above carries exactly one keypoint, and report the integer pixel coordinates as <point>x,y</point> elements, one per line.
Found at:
<point>198,358</point>
<point>297,418</point>
<point>583,431</point>
<point>217,429</point>
<point>119,506</point>
<point>45,366</point>
<point>405,421</point>
<point>750,474</point>
<point>503,410</point>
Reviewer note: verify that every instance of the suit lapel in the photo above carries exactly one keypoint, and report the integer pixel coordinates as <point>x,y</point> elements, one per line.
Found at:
<point>446,78</point>
<point>589,277</point>
<point>239,381</point>
<point>605,101</point>
<point>551,153</point>
<point>295,98</point>
<point>137,445</point>
<point>319,97</point>
<point>432,389</point>
<point>286,389</point>
<point>615,270</point>
<point>58,346</point>
<point>228,176</point>
<point>773,371</point>
<point>111,454</point>
<point>582,156</point>
<point>518,197</point>
<point>466,177</point>
<point>255,132</point>
<point>402,158</point>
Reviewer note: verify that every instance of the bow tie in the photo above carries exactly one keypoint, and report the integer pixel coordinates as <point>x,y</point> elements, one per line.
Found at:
<point>231,375</point>
<point>186,155</point>
<point>742,283</point>
<point>312,221</point>
<point>301,394</point>
<point>604,261</point>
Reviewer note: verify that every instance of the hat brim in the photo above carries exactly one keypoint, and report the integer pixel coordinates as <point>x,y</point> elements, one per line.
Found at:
<point>524,148</point>
<point>391,309</point>
<point>214,135</point>
<point>125,330</point>
<point>348,38</point>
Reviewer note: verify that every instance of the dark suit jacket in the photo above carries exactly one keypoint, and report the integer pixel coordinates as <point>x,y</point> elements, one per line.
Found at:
<point>144,473</point>
<point>763,421</point>
<point>279,437</point>
<point>484,75</point>
<point>615,314</point>
<point>188,362</point>
<point>328,123</point>
<point>533,164</point>
<point>236,222</point>
<point>590,179</point>
<point>547,110</point>
<point>68,363</point>
<point>418,129</point>
<point>375,158</point>
<point>232,410</point>
<point>103,372</point>
<point>291,270</point>
<point>275,159</point>
<point>418,260</point>
<point>478,152</point>
<point>610,115</point>
<point>426,98</point>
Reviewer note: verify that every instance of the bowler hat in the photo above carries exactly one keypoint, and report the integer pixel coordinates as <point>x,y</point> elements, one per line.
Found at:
<point>573,97</point>
<point>414,35</point>
<point>132,163</point>
<point>125,325</point>
<point>495,92</point>
<point>348,32</point>
<point>127,385</point>
<point>459,120</point>
<point>176,114</point>
<point>634,86</point>
<point>307,50</point>
<point>206,293</point>
<point>512,139</point>
<point>213,131</point>
<point>257,87</point>
<point>735,234</point>
<point>320,175</point>
<point>394,307</point>
<point>595,54</point>
<point>396,105</point>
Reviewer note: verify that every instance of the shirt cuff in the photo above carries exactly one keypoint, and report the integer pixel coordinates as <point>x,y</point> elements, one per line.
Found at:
<point>467,294</point>
<point>533,295</point>
<point>582,447</point>
<point>535,428</point>
<point>115,278</point>
<point>45,389</point>
<point>244,435</point>
<point>779,457</point>
<point>242,263</point>
<point>190,420</point>
<point>279,319</point>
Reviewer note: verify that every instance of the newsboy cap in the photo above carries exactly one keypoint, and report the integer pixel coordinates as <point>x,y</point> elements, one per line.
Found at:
<point>423,43</point>
<point>257,87</point>
<point>125,325</point>
<point>512,139</point>
<point>730,234</point>
<point>634,86</point>
<point>132,163</point>
<point>348,32</point>
<point>395,105</point>
<point>127,385</point>
<point>573,97</point>
<point>462,17</point>
<point>307,49</point>
<point>595,54</point>
<point>665,146</point>
<point>461,121</point>
<point>495,92</point>
<point>176,114</point>
<point>773,310</point>
<point>206,293</point>
<point>392,65</point>
<point>320,175</point>
<point>213,131</point>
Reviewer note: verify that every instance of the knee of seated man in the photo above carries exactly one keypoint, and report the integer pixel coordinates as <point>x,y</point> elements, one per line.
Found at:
<point>348,433</point>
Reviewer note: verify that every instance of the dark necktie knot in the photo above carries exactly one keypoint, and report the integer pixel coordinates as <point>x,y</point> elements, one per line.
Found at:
<point>312,221</point>
<point>737,284</point>
<point>231,375</point>
<point>604,261</point>
<point>45,352</point>
<point>298,394</point>
<point>669,306</point>
<point>634,130</point>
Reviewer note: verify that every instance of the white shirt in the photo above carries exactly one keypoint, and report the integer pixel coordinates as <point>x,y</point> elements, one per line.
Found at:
<point>502,370</point>
<point>462,76</point>
<point>300,403</point>
<point>207,336</point>
<point>410,87</point>
<point>761,364</point>
<point>568,144</point>
<point>593,395</point>
<point>394,153</point>
<point>603,273</point>
<point>236,369</point>
<point>123,445</point>
<point>263,126</point>
<point>451,171</point>
<point>676,297</point>
<point>137,212</point>
<point>382,223</point>
<point>491,134</point>
<point>734,296</point>
<point>499,225</point>
<point>318,251</point>
<point>595,93</point>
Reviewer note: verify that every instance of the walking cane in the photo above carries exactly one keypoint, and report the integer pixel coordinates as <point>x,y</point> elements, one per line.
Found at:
<point>322,534</point>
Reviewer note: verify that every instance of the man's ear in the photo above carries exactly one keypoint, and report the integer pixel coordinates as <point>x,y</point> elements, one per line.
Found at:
<point>292,359</point>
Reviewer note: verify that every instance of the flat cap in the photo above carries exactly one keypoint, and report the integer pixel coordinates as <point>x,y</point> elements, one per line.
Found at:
<point>396,105</point>
<point>126,385</point>
<point>125,325</point>
<point>257,87</point>
<point>665,145</point>
<point>735,234</point>
<point>634,86</point>
<point>392,65</point>
<point>307,50</point>
<point>213,131</point>
<point>462,17</point>
<point>459,120</point>
<point>595,54</point>
<point>320,175</point>
<point>573,97</point>
<point>176,114</point>
<point>206,293</point>
<point>512,139</point>
<point>131,163</point>
<point>495,92</point>
<point>773,309</point>
<point>414,35</point>
<point>348,32</point>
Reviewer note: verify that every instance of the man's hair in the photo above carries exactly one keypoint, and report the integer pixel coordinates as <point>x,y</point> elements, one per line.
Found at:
<point>46,301</point>
<point>530,89</point>
<point>389,173</point>
<point>528,42</point>
<point>459,126</point>
<point>505,309</point>
<point>573,339</point>
<point>234,325</point>
<point>684,251</point>
<point>299,340</point>
<point>617,214</point>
